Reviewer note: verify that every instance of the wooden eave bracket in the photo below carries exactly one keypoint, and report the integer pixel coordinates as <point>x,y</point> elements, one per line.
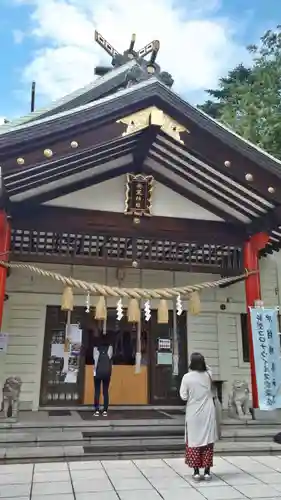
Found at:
<point>153,116</point>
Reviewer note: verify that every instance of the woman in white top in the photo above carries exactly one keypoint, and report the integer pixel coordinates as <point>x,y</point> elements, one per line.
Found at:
<point>200,420</point>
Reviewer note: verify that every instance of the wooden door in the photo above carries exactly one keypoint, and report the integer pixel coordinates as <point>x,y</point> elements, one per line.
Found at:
<point>54,390</point>
<point>164,385</point>
<point>126,386</point>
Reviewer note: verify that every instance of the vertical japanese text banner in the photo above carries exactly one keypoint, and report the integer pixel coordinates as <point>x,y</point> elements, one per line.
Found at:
<point>266,345</point>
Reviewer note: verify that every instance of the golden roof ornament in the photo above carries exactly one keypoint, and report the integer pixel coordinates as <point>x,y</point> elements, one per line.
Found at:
<point>153,116</point>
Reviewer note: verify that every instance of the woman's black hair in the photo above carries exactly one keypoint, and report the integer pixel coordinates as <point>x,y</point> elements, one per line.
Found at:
<point>197,362</point>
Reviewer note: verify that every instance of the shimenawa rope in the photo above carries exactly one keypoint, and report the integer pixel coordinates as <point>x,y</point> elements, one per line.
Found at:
<point>114,291</point>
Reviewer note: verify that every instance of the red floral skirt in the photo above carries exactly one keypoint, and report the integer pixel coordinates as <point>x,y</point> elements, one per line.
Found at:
<point>199,457</point>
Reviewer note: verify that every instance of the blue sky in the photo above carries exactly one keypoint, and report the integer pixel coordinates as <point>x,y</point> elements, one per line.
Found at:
<point>60,55</point>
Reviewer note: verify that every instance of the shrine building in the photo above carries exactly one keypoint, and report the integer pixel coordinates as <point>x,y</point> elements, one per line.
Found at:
<point>125,184</point>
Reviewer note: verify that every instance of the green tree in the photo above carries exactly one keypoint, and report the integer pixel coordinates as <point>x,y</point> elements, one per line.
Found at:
<point>223,94</point>
<point>252,106</point>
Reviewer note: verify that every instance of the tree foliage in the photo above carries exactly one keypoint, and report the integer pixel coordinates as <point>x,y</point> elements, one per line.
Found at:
<point>223,95</point>
<point>249,99</point>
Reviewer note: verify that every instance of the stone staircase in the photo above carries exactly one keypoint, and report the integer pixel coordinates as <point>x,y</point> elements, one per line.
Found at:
<point>72,438</point>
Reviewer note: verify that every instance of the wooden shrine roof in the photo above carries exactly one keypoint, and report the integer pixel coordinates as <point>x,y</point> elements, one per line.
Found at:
<point>211,165</point>
<point>98,88</point>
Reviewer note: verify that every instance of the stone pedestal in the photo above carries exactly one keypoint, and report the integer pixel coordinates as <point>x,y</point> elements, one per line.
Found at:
<point>274,415</point>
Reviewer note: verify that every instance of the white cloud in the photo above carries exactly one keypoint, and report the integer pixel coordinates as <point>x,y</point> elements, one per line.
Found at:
<point>197,46</point>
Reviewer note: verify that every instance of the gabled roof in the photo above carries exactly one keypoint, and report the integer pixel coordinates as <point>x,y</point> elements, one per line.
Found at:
<point>195,168</point>
<point>135,96</point>
<point>99,87</point>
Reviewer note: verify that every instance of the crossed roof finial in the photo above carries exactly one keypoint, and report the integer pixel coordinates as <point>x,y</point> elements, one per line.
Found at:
<point>119,59</point>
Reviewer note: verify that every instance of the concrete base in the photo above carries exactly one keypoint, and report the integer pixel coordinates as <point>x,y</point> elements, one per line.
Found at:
<point>274,415</point>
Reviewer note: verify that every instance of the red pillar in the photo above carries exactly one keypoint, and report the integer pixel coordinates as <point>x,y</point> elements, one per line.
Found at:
<point>253,293</point>
<point>5,239</point>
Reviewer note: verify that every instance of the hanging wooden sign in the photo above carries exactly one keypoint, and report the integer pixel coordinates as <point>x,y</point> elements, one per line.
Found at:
<point>138,194</point>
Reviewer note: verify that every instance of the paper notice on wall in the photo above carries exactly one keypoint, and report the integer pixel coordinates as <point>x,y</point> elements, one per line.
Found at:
<point>3,342</point>
<point>65,362</point>
<point>138,362</point>
<point>164,358</point>
<point>57,350</point>
<point>164,344</point>
<point>71,377</point>
<point>74,334</point>
<point>175,364</point>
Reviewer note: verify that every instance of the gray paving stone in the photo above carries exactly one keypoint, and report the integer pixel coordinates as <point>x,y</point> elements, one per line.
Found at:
<point>139,495</point>
<point>51,467</point>
<point>277,487</point>
<point>102,495</point>
<point>256,468</point>
<point>273,462</point>
<point>168,482</point>
<point>271,478</point>
<point>248,464</point>
<point>221,493</point>
<point>150,463</point>
<point>45,497</point>
<point>131,483</point>
<point>96,474</point>
<point>242,478</point>
<point>159,472</point>
<point>117,464</point>
<point>91,465</point>
<point>132,472</point>
<point>19,478</point>
<point>82,486</point>
<point>258,490</point>
<point>56,488</point>
<point>53,476</point>
<point>19,498</point>
<point>181,494</point>
<point>174,461</point>
<point>16,469</point>
<point>14,490</point>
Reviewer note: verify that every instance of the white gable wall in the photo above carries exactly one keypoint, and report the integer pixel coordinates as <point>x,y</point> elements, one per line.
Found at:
<point>110,196</point>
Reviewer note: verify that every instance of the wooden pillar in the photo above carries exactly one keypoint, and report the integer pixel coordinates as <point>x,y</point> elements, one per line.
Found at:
<point>5,240</point>
<point>5,236</point>
<point>253,292</point>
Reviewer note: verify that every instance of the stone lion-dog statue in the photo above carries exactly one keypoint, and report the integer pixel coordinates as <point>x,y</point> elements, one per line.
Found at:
<point>11,396</point>
<point>239,400</point>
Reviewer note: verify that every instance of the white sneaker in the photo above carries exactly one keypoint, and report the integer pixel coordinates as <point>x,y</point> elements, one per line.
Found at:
<point>196,477</point>
<point>207,477</point>
<point>97,413</point>
<point>104,413</point>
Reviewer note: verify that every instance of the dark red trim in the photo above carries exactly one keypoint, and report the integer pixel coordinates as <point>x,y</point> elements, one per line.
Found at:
<point>5,239</point>
<point>253,292</point>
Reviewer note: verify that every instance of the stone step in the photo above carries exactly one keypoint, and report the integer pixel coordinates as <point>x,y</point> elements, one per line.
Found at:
<point>125,450</point>
<point>85,435</point>
<point>62,423</point>
<point>107,426</point>
<point>249,433</point>
<point>249,423</point>
<point>69,423</point>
